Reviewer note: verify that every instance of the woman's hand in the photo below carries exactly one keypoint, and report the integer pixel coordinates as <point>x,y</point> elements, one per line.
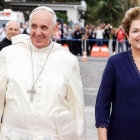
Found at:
<point>102,133</point>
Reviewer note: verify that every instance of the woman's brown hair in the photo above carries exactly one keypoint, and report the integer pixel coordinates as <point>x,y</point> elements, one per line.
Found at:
<point>131,14</point>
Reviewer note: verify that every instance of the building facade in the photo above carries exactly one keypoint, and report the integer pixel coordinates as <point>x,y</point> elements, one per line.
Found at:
<point>72,9</point>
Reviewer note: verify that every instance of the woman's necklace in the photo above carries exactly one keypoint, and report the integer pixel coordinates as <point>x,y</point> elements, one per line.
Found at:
<point>32,91</point>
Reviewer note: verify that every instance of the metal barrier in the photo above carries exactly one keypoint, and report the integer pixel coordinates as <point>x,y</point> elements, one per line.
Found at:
<point>78,46</point>
<point>87,44</point>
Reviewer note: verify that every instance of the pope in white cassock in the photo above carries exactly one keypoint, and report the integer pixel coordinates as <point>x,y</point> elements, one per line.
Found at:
<point>41,96</point>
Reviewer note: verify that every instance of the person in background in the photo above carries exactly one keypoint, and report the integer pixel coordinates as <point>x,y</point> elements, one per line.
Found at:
<point>57,36</point>
<point>69,33</point>
<point>120,38</point>
<point>12,29</point>
<point>127,43</point>
<point>114,39</point>
<point>99,35</point>
<point>107,32</point>
<point>63,34</point>
<point>86,43</point>
<point>41,92</point>
<point>21,28</point>
<point>117,109</point>
<point>92,36</point>
<point>77,34</point>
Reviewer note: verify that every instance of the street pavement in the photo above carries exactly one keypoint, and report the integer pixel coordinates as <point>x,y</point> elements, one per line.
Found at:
<point>91,73</point>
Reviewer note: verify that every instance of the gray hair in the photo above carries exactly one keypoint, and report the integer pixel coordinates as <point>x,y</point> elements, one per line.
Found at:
<point>47,9</point>
<point>11,21</point>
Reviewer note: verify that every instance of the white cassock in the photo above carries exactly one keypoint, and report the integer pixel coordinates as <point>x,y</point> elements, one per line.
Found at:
<point>56,112</point>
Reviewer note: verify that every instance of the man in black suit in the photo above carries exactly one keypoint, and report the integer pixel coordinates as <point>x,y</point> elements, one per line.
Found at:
<point>12,28</point>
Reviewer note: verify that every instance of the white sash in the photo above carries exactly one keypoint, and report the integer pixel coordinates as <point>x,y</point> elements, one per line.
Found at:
<point>39,125</point>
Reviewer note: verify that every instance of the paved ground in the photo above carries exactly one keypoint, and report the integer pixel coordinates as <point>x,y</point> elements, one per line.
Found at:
<point>91,72</point>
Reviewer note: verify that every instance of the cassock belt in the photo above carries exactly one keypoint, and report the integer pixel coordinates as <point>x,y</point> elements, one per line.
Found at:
<point>39,125</point>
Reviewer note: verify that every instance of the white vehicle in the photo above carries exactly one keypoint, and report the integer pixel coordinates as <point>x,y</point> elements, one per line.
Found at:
<point>8,14</point>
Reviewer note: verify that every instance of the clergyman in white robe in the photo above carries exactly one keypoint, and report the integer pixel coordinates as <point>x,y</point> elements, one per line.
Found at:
<point>56,112</point>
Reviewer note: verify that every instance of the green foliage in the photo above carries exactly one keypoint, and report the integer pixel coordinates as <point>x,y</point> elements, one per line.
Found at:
<point>108,11</point>
<point>3,5</point>
<point>61,16</point>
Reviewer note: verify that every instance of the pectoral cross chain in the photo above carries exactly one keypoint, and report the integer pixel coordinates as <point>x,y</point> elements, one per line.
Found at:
<point>32,92</point>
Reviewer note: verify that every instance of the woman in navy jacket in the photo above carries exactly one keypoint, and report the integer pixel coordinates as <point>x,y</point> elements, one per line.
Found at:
<point>117,108</point>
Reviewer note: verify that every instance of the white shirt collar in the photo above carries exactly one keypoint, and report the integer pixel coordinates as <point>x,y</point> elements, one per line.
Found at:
<point>45,49</point>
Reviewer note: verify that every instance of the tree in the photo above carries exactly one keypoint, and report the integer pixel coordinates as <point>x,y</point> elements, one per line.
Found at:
<point>3,5</point>
<point>62,18</point>
<point>129,4</point>
<point>108,11</point>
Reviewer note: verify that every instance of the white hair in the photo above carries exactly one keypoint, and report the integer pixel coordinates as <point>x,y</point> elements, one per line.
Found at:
<point>47,9</point>
<point>10,22</point>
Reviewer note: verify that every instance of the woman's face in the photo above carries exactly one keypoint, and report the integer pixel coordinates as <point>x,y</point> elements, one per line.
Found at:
<point>134,34</point>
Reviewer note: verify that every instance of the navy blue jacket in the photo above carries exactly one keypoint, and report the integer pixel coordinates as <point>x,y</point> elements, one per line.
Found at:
<point>118,100</point>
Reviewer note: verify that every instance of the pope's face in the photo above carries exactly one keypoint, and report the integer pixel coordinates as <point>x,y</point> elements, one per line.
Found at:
<point>41,28</point>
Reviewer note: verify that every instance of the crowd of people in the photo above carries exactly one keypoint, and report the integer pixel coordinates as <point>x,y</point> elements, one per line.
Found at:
<point>74,36</point>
